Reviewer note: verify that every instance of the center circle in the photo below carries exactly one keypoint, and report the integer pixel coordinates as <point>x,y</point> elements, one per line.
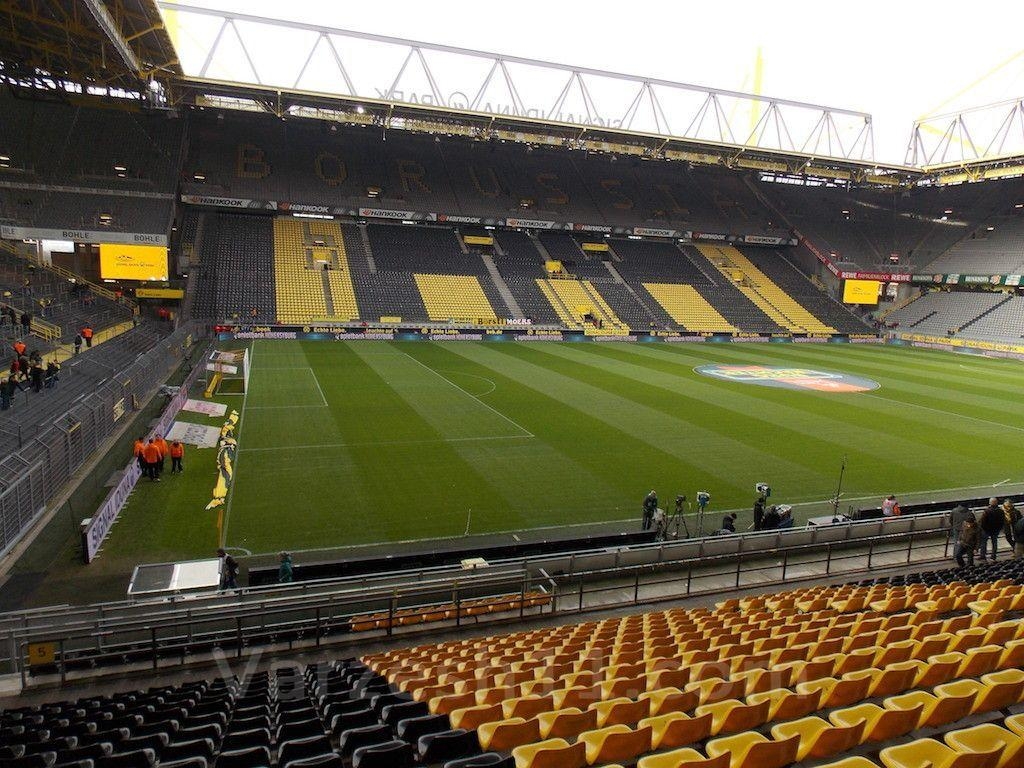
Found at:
<point>804,379</point>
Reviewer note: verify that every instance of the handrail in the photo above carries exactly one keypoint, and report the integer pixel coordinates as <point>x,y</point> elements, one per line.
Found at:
<point>67,274</point>
<point>81,640</point>
<point>660,552</point>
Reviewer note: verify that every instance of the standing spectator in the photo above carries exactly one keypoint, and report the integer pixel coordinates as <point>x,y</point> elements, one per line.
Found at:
<point>177,454</point>
<point>26,323</point>
<point>957,517</point>
<point>36,375</point>
<point>992,523</point>
<point>78,343</point>
<point>729,523</point>
<point>51,377</point>
<point>650,504</point>
<point>19,347</point>
<point>15,367</point>
<point>1011,515</point>
<point>86,334</point>
<point>151,455</point>
<point>772,518</point>
<point>6,393</point>
<point>138,448</point>
<point>229,572</point>
<point>889,506</point>
<point>966,542</point>
<point>759,513</point>
<point>284,570</point>
<point>164,449</point>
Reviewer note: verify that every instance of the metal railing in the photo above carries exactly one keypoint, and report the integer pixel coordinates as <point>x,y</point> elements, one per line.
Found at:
<point>48,459</point>
<point>165,632</point>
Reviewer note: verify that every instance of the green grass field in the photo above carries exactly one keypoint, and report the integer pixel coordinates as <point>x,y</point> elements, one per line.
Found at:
<point>352,443</point>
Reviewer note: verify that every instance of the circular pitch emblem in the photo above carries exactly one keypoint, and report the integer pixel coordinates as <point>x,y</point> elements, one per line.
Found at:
<point>806,379</point>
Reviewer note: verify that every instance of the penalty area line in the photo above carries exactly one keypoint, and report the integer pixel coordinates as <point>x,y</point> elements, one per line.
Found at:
<point>494,410</point>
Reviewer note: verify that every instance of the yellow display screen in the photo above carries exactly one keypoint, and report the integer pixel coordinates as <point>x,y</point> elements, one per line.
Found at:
<point>860,291</point>
<point>120,261</point>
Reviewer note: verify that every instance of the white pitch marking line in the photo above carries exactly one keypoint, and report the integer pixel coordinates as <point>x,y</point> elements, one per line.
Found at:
<point>238,441</point>
<point>469,394</point>
<point>289,407</point>
<point>317,382</point>
<point>633,520</point>
<point>389,442</point>
<point>944,413</point>
<point>1001,482</point>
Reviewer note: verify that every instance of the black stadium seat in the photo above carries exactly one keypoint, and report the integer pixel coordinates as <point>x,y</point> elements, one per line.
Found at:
<point>411,729</point>
<point>301,749</point>
<point>447,745</point>
<point>486,760</point>
<point>391,754</point>
<point>257,757</point>
<point>354,738</point>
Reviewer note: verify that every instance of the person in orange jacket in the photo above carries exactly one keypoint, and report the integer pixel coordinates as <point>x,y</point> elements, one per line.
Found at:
<point>177,454</point>
<point>137,448</point>
<point>86,333</point>
<point>164,449</point>
<point>151,453</point>
<point>19,347</point>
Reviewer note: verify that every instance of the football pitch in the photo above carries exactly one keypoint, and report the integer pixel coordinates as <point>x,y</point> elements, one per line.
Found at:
<point>351,443</point>
<point>361,442</point>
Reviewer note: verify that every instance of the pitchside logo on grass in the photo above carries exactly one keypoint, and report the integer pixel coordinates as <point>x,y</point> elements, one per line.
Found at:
<point>789,378</point>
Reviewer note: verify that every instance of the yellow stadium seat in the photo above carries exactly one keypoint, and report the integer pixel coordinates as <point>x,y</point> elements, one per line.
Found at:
<point>879,724</point>
<point>684,758</point>
<point>471,718</point>
<point>731,715</point>
<point>752,750</point>
<point>621,711</point>
<point>504,735</point>
<point>665,700</point>
<point>984,738</point>
<point>819,738</point>
<point>676,729</point>
<point>527,706</point>
<point>551,753</point>
<point>837,693</point>
<point>850,762</point>
<point>936,710</point>
<point>565,723</point>
<point>784,704</point>
<point>928,753</point>
<point>1000,690</point>
<point>616,742</point>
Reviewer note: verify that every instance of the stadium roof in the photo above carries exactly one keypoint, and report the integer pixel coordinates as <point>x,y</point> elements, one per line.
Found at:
<point>105,43</point>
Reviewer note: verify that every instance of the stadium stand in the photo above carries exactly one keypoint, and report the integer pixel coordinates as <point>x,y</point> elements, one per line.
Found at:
<point>688,308</point>
<point>775,266</point>
<point>888,672</point>
<point>864,227</point>
<point>59,308</point>
<point>579,305</point>
<point>455,297</point>
<point>999,251</point>
<point>236,265</point>
<point>104,154</point>
<point>943,313</point>
<point>762,291</point>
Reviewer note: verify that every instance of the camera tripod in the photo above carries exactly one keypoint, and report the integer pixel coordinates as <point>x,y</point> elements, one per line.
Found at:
<point>678,518</point>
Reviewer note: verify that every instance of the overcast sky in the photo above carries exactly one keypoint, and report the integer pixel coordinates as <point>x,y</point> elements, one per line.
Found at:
<point>896,60</point>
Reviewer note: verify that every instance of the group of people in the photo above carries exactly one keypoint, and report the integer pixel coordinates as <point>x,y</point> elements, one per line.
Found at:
<point>974,533</point>
<point>774,517</point>
<point>230,568</point>
<point>152,454</point>
<point>27,371</point>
